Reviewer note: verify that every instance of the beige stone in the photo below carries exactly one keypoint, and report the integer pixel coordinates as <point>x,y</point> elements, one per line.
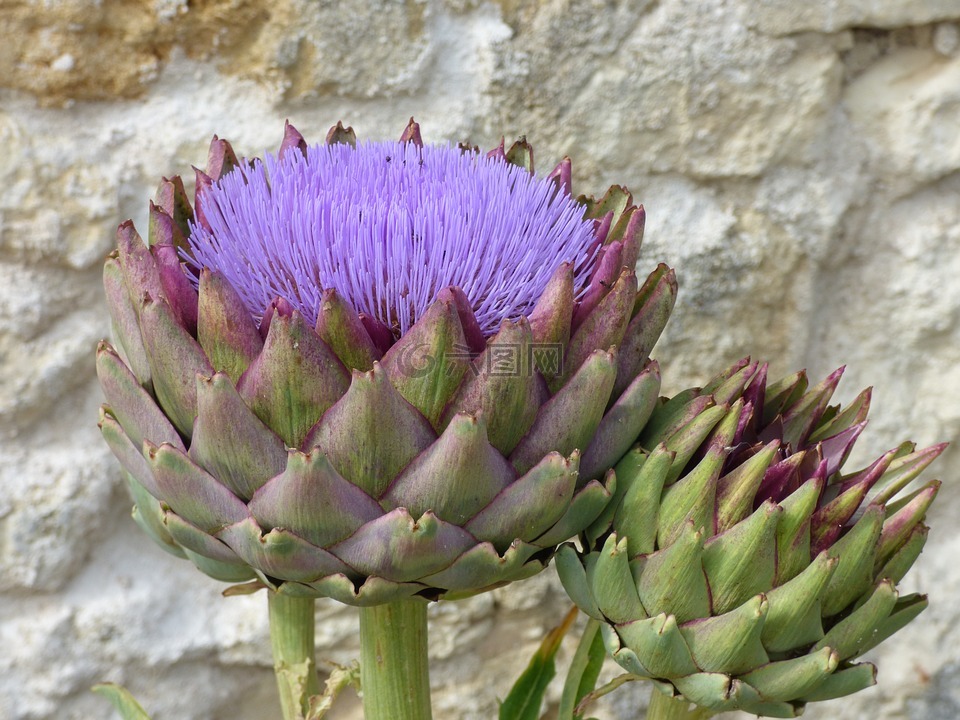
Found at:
<point>784,17</point>
<point>906,108</point>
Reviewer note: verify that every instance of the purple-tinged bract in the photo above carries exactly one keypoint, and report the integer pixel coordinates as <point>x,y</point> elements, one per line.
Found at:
<point>389,225</point>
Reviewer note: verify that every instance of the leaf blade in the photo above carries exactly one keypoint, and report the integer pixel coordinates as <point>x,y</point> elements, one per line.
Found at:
<point>584,671</point>
<point>526,696</point>
<point>122,700</point>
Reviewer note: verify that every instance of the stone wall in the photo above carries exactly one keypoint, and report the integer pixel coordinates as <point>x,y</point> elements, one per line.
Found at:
<point>800,165</point>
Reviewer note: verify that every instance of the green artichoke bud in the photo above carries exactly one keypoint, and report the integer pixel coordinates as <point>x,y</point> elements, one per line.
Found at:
<point>332,439</point>
<point>738,565</point>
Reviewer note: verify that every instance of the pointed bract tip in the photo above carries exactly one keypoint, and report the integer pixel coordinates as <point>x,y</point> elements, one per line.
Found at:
<point>203,180</point>
<point>340,135</point>
<point>278,306</point>
<point>500,151</point>
<point>381,335</point>
<point>521,154</point>
<point>282,307</point>
<point>163,230</point>
<point>292,140</point>
<point>562,175</point>
<point>672,277</point>
<point>472,331</point>
<point>172,197</point>
<point>412,133</point>
<point>834,377</point>
<point>366,375</point>
<point>104,346</point>
<point>467,419</point>
<point>221,158</point>
<point>150,449</point>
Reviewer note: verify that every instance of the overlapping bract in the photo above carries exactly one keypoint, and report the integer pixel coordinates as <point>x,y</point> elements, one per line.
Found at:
<point>326,457</point>
<point>738,565</point>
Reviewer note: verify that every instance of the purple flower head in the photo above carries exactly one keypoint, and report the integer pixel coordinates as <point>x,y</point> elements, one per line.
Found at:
<point>389,225</point>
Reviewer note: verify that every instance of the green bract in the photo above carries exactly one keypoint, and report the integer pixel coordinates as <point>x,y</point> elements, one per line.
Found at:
<point>738,565</point>
<point>324,459</point>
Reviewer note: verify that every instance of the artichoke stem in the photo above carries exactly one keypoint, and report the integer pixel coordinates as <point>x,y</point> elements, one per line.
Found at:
<point>394,673</point>
<point>664,707</point>
<point>294,662</point>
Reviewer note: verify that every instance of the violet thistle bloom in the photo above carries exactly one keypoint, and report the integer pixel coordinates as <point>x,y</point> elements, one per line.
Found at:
<point>377,371</point>
<point>388,226</point>
<point>739,565</point>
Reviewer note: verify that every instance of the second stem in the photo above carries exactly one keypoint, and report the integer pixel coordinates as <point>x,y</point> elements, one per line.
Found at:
<point>292,637</point>
<point>394,673</point>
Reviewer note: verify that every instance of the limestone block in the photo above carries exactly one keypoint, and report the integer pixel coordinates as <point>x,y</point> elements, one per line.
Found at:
<point>68,51</point>
<point>946,38</point>
<point>43,344</point>
<point>135,615</point>
<point>689,228</point>
<point>673,88</point>
<point>69,222</point>
<point>783,17</point>
<point>52,516</point>
<point>84,50</point>
<point>894,312</point>
<point>907,109</point>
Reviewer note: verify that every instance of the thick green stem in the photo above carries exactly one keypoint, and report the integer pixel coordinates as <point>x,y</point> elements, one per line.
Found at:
<point>294,662</point>
<point>664,707</point>
<point>394,674</point>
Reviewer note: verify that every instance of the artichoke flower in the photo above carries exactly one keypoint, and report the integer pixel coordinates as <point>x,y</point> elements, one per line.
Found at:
<point>373,371</point>
<point>739,566</point>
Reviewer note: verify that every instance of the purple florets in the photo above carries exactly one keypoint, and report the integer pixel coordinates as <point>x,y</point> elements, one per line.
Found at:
<point>389,225</point>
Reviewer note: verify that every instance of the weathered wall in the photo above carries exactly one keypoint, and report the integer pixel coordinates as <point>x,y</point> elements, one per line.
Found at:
<point>800,164</point>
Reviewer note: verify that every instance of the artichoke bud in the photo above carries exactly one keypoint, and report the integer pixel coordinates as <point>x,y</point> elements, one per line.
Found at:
<point>739,565</point>
<point>335,413</point>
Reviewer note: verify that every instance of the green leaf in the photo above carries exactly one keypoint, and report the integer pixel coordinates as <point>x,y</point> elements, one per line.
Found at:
<point>526,695</point>
<point>584,671</point>
<point>122,700</point>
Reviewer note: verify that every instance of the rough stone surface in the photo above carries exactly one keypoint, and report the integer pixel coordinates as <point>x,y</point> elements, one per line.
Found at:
<point>800,165</point>
<point>781,17</point>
